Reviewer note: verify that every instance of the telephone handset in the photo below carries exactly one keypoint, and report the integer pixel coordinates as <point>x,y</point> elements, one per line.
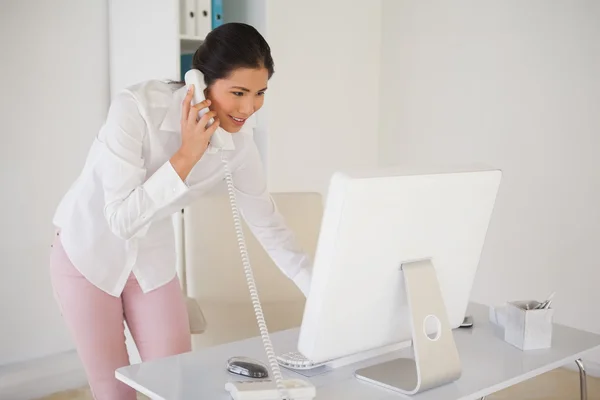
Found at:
<point>221,139</point>
<point>288,389</point>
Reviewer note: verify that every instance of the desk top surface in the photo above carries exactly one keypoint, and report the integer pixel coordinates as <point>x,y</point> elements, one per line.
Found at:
<point>489,365</point>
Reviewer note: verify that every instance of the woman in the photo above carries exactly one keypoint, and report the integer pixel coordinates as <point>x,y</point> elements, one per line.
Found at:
<point>113,258</point>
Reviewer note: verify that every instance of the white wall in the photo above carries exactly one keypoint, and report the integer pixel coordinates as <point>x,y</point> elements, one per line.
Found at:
<point>514,84</point>
<point>322,100</point>
<point>321,106</point>
<point>54,79</point>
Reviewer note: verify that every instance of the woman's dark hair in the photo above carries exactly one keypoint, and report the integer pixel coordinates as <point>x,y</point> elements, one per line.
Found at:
<point>231,46</point>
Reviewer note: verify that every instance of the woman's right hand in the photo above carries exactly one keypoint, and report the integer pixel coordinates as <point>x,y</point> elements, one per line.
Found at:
<point>195,136</point>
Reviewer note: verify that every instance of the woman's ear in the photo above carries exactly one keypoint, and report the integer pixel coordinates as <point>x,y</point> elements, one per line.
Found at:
<point>207,95</point>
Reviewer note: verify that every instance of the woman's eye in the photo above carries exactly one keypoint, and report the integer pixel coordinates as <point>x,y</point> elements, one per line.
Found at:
<point>261,93</point>
<point>240,94</point>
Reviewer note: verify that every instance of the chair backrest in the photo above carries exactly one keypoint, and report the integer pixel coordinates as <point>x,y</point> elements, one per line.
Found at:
<point>213,263</point>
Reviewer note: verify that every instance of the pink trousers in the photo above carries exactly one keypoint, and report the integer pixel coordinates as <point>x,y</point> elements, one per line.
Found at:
<point>157,320</point>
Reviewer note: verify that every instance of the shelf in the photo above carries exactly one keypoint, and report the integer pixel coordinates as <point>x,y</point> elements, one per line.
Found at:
<point>191,38</point>
<point>189,44</point>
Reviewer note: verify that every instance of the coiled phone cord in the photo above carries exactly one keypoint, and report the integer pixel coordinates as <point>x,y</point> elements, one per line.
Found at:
<point>260,318</point>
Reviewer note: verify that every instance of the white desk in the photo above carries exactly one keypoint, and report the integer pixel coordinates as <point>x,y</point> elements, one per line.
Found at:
<point>489,365</point>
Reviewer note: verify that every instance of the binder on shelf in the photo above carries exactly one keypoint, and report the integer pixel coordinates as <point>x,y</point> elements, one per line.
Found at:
<point>203,17</point>
<point>217,13</point>
<point>186,64</point>
<point>188,17</point>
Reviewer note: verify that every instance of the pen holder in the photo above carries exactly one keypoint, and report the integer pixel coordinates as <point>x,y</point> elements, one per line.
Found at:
<point>526,328</point>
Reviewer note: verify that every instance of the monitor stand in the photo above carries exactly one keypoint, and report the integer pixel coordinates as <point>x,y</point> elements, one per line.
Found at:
<point>436,360</point>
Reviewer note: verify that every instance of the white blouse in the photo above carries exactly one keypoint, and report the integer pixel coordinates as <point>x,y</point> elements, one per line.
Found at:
<point>117,216</point>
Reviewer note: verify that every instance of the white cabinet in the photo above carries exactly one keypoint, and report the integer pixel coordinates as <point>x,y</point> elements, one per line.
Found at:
<point>195,18</point>
<point>147,38</point>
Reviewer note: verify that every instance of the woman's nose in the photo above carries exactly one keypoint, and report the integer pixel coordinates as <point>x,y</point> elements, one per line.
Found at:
<point>246,108</point>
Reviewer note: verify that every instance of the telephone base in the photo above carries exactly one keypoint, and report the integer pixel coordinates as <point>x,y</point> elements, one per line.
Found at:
<point>297,389</point>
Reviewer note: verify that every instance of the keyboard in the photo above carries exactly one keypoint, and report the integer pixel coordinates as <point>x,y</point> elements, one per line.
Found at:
<point>295,360</point>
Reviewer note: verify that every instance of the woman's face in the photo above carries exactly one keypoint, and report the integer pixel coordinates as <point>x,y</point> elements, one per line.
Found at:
<point>238,96</point>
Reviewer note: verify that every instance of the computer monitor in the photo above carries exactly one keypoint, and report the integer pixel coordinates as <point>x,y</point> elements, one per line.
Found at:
<point>374,222</point>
